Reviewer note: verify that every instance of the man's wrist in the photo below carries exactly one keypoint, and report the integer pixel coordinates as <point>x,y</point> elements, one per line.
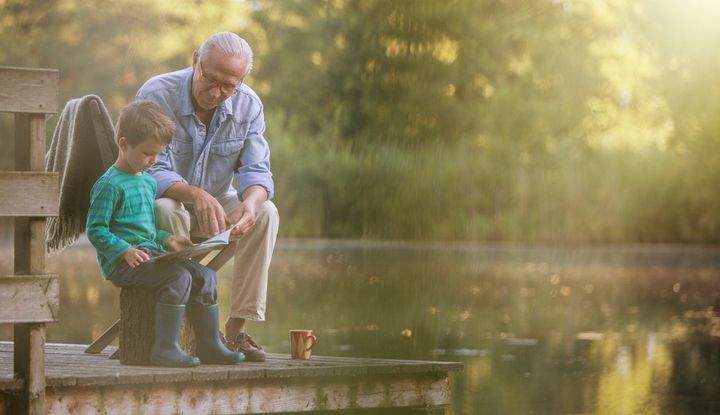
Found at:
<point>255,195</point>
<point>183,192</point>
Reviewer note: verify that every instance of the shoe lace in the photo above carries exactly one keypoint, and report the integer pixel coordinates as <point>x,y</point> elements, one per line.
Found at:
<point>247,339</point>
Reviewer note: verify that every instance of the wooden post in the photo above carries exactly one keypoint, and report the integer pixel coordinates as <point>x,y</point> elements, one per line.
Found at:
<point>29,355</point>
<point>30,94</point>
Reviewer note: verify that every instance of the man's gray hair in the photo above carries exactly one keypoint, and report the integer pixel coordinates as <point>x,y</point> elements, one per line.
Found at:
<point>230,44</point>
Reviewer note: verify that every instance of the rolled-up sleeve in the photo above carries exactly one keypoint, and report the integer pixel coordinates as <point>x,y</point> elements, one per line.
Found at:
<point>164,174</point>
<point>255,158</point>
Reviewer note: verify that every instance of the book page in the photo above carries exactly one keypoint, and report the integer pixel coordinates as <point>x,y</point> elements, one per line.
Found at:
<point>216,242</point>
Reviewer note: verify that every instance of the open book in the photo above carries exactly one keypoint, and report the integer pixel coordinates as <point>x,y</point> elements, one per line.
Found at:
<point>216,242</point>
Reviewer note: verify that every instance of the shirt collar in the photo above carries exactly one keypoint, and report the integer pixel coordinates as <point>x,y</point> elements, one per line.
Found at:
<point>186,107</point>
<point>226,107</point>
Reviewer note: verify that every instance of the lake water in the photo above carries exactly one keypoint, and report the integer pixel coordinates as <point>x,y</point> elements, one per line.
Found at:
<point>541,329</point>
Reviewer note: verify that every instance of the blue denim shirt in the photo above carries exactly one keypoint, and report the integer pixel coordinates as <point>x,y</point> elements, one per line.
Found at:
<point>232,146</point>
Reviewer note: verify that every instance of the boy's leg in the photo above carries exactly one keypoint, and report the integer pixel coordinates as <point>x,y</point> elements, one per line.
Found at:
<point>204,284</point>
<point>203,313</point>
<point>172,285</point>
<point>171,281</point>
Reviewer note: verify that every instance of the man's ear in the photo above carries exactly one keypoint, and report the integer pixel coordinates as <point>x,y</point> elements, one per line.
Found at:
<point>196,57</point>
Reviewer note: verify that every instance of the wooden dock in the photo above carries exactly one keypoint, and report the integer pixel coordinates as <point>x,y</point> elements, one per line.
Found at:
<point>41,378</point>
<point>80,383</point>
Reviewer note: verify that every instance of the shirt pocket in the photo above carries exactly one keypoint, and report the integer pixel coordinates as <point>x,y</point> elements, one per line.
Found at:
<point>181,146</point>
<point>223,161</point>
<point>181,154</point>
<point>229,148</point>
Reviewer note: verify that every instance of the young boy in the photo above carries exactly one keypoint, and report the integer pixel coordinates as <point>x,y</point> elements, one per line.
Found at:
<point>121,227</point>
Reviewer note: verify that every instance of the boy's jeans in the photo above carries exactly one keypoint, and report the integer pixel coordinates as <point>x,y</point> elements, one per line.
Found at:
<point>175,283</point>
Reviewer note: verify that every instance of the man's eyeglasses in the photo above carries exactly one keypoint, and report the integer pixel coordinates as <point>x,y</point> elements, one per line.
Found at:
<point>225,87</point>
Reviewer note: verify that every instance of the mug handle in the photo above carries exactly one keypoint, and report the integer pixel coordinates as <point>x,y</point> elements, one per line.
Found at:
<point>314,340</point>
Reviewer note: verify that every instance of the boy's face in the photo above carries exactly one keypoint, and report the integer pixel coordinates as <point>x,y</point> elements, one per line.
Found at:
<point>138,158</point>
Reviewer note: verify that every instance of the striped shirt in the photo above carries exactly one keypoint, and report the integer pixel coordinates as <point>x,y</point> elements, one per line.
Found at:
<point>121,216</point>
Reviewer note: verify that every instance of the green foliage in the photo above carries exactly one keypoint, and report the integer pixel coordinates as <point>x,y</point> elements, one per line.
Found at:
<point>463,119</point>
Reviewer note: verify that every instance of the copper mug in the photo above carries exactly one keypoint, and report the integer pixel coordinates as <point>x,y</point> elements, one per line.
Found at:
<point>301,343</point>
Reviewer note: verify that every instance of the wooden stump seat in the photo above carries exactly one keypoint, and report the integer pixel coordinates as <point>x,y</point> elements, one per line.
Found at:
<point>137,326</point>
<point>137,321</point>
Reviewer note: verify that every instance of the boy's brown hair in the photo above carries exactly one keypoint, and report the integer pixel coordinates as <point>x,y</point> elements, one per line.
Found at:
<point>143,120</point>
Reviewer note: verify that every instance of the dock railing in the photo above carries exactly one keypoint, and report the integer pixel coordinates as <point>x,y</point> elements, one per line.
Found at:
<point>29,297</point>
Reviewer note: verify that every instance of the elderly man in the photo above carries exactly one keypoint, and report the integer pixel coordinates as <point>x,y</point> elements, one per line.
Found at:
<point>219,136</point>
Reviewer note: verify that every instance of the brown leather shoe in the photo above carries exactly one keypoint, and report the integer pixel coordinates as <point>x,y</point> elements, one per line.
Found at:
<point>245,344</point>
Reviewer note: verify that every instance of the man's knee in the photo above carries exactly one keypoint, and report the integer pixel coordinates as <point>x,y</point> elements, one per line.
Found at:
<point>167,206</point>
<point>171,216</point>
<point>268,214</point>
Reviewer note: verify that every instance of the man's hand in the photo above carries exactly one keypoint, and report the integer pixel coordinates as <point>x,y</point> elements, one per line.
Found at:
<point>177,243</point>
<point>135,257</point>
<point>245,217</point>
<point>210,214</point>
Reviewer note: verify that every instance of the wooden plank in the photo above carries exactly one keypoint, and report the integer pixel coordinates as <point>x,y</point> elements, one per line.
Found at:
<point>30,142</point>
<point>29,360</point>
<point>29,250</point>
<point>11,383</point>
<point>29,365</point>
<point>64,360</point>
<point>105,339</point>
<point>29,90</point>
<point>22,142</point>
<point>90,383</point>
<point>249,371</point>
<point>207,373</point>
<point>60,381</point>
<point>167,376</point>
<point>29,194</point>
<point>29,298</point>
<point>223,256</point>
<point>260,396</point>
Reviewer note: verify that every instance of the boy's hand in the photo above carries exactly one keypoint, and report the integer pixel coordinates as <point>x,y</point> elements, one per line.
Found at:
<point>135,257</point>
<point>178,242</point>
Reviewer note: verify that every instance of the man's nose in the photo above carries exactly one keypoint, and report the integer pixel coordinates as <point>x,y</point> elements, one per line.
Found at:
<point>216,92</point>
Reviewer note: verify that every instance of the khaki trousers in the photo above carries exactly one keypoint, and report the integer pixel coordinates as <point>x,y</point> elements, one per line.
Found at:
<point>248,295</point>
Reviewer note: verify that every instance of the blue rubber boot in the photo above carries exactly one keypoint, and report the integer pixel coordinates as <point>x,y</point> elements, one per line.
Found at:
<point>166,350</point>
<point>209,347</point>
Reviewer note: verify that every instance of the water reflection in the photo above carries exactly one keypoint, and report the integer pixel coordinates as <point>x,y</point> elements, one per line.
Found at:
<point>542,330</point>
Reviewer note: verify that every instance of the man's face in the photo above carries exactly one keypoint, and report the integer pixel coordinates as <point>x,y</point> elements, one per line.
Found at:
<point>215,78</point>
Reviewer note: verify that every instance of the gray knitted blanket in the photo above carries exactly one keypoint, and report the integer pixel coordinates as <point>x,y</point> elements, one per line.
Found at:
<point>82,148</point>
